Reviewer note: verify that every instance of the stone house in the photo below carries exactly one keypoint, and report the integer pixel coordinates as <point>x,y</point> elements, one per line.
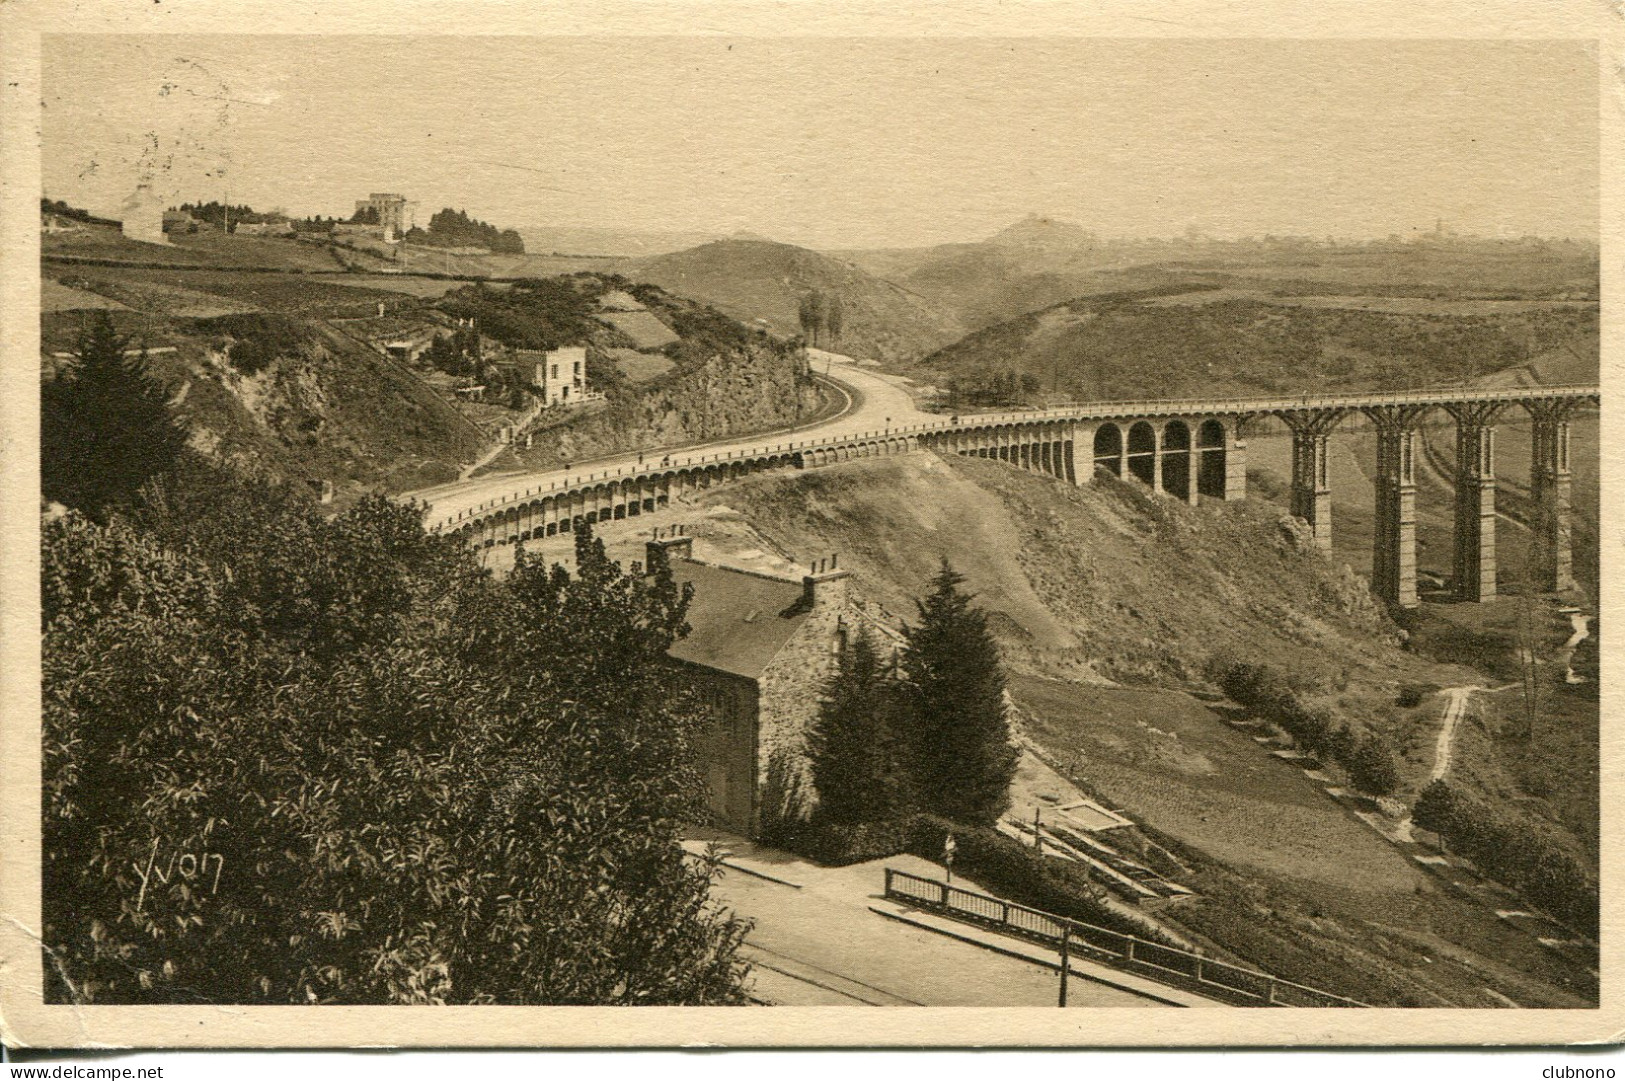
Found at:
<point>758,651</point>
<point>392,214</point>
<point>560,375</point>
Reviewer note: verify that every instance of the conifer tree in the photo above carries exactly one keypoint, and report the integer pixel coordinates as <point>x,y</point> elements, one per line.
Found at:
<point>835,319</point>
<point>959,744</point>
<point>106,428</point>
<point>853,744</point>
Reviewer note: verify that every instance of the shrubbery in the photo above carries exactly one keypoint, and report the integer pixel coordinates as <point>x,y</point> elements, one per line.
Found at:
<point>1513,849</point>
<point>296,759</point>
<point>1411,695</point>
<point>251,356</point>
<point>1267,692</point>
<point>537,313</point>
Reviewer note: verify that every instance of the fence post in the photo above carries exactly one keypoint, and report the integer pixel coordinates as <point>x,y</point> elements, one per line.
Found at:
<point>1269,991</point>
<point>888,881</point>
<point>1198,970</point>
<point>944,886</point>
<point>1128,955</point>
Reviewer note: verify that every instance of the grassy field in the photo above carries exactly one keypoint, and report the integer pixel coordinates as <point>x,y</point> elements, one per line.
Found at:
<point>1287,878</point>
<point>203,293</point>
<point>56,297</point>
<point>210,248</point>
<point>1188,774</point>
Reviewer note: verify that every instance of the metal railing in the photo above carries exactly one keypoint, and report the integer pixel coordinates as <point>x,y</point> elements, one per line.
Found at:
<point>1177,967</point>
<point>969,423</point>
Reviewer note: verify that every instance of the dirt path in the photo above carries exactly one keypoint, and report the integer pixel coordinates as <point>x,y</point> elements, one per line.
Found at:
<point>1455,707</point>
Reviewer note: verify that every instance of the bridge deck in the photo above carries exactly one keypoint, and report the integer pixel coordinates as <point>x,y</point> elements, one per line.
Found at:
<point>560,484</point>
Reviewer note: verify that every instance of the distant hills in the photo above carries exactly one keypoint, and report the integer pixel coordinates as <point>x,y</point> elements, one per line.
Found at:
<point>762,282</point>
<point>1192,341</point>
<point>1038,262</point>
<point>1036,231</point>
<point>628,243</point>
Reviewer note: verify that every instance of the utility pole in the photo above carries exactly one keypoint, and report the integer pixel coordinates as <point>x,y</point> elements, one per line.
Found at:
<point>1066,959</point>
<point>1038,829</point>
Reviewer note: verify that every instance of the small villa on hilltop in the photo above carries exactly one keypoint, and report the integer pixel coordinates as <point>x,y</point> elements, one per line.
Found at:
<point>389,213</point>
<point>758,651</point>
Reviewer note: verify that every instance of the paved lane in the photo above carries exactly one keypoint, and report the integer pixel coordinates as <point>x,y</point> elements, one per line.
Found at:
<point>818,942</point>
<point>878,401</point>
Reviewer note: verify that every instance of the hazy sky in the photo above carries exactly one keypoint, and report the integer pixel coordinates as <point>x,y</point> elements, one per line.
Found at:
<point>843,143</point>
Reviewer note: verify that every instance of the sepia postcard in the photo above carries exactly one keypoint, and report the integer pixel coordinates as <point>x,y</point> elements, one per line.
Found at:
<point>1077,524</point>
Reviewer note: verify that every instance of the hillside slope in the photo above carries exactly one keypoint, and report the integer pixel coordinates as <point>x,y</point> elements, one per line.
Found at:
<point>1037,262</point>
<point>761,280</point>
<point>1103,582</point>
<point>701,375</point>
<point>324,407</point>
<point>1218,342</point>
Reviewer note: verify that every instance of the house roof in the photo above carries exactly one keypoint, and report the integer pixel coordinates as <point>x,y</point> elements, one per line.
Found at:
<point>738,621</point>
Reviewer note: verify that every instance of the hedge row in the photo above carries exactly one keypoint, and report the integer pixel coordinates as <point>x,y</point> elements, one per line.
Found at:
<point>1264,690</point>
<point>1514,849</point>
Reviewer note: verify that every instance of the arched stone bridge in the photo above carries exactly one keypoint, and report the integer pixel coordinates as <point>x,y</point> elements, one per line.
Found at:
<point>1186,448</point>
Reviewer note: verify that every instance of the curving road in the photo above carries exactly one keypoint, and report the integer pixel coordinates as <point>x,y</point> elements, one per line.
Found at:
<point>876,401</point>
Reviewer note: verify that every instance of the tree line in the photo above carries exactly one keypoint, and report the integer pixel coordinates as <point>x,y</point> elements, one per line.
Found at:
<point>1514,849</point>
<point>1368,758</point>
<point>224,215</point>
<point>290,758</point>
<point>450,228</point>
<point>822,317</point>
<point>1000,388</point>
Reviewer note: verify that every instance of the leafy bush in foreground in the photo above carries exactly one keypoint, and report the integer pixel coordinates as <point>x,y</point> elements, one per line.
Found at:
<point>289,760</point>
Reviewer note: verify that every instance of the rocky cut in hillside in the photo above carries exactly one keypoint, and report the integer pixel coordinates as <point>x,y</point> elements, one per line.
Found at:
<point>1104,581</point>
<point>727,381</point>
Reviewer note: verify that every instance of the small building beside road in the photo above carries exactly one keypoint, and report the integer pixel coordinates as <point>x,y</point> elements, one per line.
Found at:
<point>759,649</point>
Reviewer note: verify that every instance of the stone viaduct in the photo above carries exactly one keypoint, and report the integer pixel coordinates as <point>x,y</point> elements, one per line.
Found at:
<point>1185,448</point>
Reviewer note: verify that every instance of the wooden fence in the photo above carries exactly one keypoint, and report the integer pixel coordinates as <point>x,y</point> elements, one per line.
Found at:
<point>1176,967</point>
